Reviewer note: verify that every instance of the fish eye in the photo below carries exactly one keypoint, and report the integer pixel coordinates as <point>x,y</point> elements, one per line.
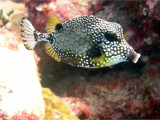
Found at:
<point>110,37</point>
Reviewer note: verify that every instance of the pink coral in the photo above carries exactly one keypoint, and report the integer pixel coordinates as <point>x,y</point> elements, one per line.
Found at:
<point>78,107</point>
<point>24,116</point>
<point>3,115</point>
<point>9,39</point>
<point>19,116</point>
<point>39,11</point>
<point>151,3</point>
<point>121,95</point>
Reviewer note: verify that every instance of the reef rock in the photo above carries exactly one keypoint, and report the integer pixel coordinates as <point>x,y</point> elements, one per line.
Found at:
<point>20,89</point>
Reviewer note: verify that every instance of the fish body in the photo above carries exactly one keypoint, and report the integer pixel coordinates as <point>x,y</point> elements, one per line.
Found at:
<point>86,41</point>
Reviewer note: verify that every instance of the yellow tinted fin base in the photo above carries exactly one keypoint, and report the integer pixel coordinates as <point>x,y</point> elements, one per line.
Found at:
<point>50,51</point>
<point>100,60</point>
<point>51,24</point>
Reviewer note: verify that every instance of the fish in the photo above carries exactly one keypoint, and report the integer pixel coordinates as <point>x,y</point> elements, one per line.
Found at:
<point>86,41</point>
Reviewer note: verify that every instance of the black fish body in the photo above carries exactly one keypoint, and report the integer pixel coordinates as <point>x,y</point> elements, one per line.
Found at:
<point>86,41</point>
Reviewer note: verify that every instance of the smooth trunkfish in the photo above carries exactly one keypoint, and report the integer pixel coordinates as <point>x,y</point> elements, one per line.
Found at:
<point>86,41</point>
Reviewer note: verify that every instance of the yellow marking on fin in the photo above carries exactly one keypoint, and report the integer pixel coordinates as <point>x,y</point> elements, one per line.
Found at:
<point>100,59</point>
<point>51,23</point>
<point>50,51</point>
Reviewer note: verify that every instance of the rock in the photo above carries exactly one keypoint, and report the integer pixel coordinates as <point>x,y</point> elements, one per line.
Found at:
<point>20,89</point>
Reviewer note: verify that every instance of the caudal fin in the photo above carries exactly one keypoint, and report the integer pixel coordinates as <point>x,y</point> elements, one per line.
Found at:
<point>28,34</point>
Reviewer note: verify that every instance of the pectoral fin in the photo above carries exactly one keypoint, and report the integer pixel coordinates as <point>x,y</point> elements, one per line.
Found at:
<point>50,51</point>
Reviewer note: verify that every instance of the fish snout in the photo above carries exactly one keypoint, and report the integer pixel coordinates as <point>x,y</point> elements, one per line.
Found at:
<point>134,56</point>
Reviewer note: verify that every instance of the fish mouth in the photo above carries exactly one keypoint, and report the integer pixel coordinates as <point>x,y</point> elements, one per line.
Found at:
<point>134,56</point>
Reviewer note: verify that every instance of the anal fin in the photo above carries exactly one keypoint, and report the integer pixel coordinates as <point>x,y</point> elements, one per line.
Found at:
<point>50,51</point>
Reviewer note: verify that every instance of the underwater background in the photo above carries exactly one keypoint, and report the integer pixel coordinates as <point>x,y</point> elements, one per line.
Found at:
<point>33,86</point>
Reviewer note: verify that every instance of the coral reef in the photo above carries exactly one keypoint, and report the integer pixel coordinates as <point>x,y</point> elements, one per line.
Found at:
<point>19,116</point>
<point>113,94</point>
<point>4,17</point>
<point>126,97</point>
<point>20,89</point>
<point>13,20</point>
<point>39,11</point>
<point>127,91</point>
<point>79,108</point>
<point>56,109</point>
<point>140,20</point>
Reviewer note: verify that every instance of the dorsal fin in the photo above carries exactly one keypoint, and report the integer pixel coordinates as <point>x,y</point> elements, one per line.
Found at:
<point>52,23</point>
